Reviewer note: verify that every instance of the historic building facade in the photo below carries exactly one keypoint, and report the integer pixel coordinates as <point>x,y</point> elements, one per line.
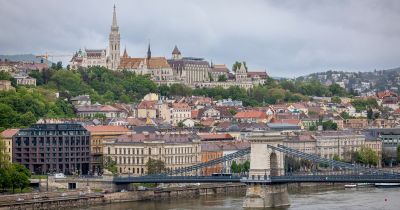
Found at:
<point>98,134</point>
<point>189,70</point>
<point>157,67</point>
<point>131,152</point>
<point>101,57</point>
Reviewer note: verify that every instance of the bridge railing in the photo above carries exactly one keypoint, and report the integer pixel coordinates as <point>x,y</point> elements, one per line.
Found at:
<point>213,162</point>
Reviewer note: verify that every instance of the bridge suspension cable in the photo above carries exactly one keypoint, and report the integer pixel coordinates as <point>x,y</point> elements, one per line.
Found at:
<point>219,160</point>
<point>318,159</point>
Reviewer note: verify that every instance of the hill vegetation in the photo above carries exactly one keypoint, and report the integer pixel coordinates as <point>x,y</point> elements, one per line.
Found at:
<point>25,105</point>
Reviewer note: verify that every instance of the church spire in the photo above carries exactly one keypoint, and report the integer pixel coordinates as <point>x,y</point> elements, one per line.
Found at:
<point>148,52</point>
<point>125,55</point>
<point>114,25</point>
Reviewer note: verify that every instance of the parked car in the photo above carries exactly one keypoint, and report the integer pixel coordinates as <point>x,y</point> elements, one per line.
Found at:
<point>141,188</point>
<point>60,176</point>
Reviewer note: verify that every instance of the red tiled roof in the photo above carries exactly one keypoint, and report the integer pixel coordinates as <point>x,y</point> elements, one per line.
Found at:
<point>147,105</point>
<point>261,74</point>
<point>180,106</point>
<point>207,122</point>
<point>385,93</point>
<point>195,114</point>
<point>106,128</point>
<point>9,133</point>
<point>251,114</point>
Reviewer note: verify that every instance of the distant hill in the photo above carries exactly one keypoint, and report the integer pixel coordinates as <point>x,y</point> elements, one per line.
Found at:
<point>21,57</point>
<point>359,82</point>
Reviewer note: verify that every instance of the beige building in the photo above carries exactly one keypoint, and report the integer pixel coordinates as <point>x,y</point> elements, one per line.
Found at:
<point>174,113</point>
<point>218,70</point>
<point>304,142</point>
<point>132,152</point>
<point>5,85</point>
<point>89,57</point>
<point>341,143</point>
<point>25,80</point>
<point>157,67</point>
<point>98,134</point>
<point>147,109</point>
<point>189,70</point>
<point>6,137</point>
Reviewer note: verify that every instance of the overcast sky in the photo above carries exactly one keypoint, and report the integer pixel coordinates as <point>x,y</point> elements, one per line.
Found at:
<point>287,38</point>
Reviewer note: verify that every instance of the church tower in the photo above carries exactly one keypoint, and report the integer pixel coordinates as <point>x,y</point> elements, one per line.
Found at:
<point>114,44</point>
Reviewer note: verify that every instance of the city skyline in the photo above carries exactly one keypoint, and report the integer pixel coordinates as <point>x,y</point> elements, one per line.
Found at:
<point>285,39</point>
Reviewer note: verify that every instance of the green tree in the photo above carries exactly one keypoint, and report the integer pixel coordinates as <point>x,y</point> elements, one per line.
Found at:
<point>345,115</point>
<point>336,99</point>
<point>336,157</point>
<point>110,165</point>
<point>246,166</point>
<point>19,177</point>
<point>367,156</point>
<point>370,114</point>
<point>155,166</point>
<point>234,167</point>
<point>222,78</point>
<point>329,125</point>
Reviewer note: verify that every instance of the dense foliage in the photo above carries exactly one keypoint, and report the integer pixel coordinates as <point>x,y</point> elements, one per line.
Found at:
<point>364,104</point>
<point>101,84</point>
<point>12,176</point>
<point>23,106</point>
<point>240,167</point>
<point>155,166</point>
<point>270,93</point>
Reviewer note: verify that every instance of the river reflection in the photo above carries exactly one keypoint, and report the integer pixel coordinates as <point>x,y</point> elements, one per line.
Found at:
<point>363,198</point>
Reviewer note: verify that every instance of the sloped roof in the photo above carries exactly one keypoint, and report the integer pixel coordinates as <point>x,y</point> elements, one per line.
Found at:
<point>152,63</point>
<point>251,114</point>
<point>147,105</point>
<point>176,51</point>
<point>106,128</point>
<point>9,133</point>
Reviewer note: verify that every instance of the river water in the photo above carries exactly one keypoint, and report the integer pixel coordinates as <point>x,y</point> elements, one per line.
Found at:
<point>362,198</point>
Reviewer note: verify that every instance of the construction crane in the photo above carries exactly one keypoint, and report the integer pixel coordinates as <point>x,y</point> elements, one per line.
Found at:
<point>46,57</point>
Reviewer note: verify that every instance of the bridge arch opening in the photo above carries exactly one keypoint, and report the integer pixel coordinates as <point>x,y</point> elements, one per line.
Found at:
<point>273,161</point>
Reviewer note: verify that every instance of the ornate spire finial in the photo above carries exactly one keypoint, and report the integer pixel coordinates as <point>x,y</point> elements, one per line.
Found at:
<point>148,51</point>
<point>114,21</point>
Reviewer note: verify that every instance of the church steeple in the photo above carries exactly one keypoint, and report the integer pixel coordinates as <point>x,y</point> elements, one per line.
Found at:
<point>125,55</point>
<point>114,39</point>
<point>114,26</point>
<point>148,52</point>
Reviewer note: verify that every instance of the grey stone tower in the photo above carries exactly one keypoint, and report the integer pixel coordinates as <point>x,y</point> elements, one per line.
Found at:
<point>114,44</point>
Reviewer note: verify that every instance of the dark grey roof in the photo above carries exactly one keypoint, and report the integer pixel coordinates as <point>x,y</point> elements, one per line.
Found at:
<point>176,51</point>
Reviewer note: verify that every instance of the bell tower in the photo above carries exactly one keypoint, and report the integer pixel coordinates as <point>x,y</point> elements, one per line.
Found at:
<point>114,44</point>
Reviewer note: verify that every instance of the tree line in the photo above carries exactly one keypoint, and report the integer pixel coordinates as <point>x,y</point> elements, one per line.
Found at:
<point>12,176</point>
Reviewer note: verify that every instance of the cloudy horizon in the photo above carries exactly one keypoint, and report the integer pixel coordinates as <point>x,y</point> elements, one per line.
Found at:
<point>285,38</point>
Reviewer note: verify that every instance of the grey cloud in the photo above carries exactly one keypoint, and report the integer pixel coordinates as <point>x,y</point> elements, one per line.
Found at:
<point>288,38</point>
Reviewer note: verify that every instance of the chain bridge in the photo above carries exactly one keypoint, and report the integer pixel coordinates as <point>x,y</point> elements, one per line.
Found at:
<point>266,180</point>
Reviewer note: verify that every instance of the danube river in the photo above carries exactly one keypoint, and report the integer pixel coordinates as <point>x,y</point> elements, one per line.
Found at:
<point>362,198</point>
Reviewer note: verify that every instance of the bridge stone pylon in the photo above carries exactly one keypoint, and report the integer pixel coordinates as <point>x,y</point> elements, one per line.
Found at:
<point>264,163</point>
<point>264,160</point>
